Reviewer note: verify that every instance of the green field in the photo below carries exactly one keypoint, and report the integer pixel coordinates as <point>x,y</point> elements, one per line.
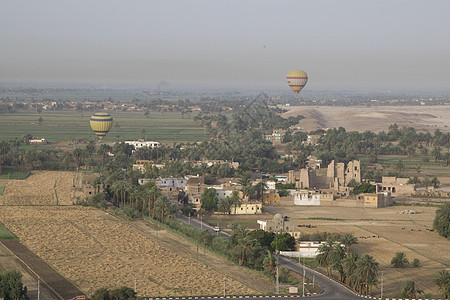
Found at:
<point>411,164</point>
<point>5,234</point>
<point>60,126</point>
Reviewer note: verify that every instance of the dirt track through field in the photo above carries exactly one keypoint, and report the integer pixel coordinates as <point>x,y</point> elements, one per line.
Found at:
<point>60,286</point>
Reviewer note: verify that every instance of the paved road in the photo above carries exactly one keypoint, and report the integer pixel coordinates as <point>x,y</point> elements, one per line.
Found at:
<point>331,289</point>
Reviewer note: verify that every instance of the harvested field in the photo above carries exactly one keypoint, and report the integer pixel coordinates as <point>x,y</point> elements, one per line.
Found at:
<point>382,232</point>
<point>93,249</point>
<point>43,188</point>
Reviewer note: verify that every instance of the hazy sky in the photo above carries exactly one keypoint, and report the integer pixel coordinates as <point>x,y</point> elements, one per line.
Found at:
<point>380,44</point>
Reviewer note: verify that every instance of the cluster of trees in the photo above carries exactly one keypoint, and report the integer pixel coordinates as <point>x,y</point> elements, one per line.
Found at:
<point>358,272</point>
<point>441,280</point>
<point>340,145</point>
<point>11,286</point>
<point>426,181</point>
<point>400,261</point>
<point>122,293</point>
<point>254,249</point>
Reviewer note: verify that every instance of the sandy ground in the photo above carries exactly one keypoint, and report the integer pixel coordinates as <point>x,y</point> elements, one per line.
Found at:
<point>382,232</point>
<point>376,118</point>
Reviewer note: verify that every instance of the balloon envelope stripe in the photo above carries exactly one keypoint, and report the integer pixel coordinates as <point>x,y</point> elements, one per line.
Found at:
<point>102,120</point>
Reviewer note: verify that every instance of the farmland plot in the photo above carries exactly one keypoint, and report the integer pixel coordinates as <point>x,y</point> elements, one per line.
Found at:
<point>94,250</point>
<point>42,188</point>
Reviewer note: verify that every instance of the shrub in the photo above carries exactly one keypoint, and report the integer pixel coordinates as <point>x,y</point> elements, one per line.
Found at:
<point>416,263</point>
<point>399,260</point>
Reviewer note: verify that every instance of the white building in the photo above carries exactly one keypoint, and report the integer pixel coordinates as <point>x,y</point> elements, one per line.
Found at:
<point>171,182</point>
<point>303,197</point>
<point>141,143</point>
<point>304,249</point>
<point>222,193</point>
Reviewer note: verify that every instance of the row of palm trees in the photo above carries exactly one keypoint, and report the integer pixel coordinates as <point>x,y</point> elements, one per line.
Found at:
<point>146,199</point>
<point>358,272</point>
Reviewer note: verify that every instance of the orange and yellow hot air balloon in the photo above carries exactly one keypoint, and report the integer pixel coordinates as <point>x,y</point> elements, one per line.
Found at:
<point>297,80</point>
<point>101,123</point>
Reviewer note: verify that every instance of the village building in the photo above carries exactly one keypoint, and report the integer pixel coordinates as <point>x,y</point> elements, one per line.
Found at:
<point>276,137</point>
<point>145,165</point>
<point>141,143</point>
<point>247,208</point>
<point>194,189</point>
<point>279,224</point>
<point>312,139</point>
<point>270,198</point>
<point>305,249</point>
<point>41,141</point>
<point>395,186</point>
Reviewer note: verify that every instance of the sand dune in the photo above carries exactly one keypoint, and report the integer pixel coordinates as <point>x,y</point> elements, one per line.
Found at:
<point>377,118</point>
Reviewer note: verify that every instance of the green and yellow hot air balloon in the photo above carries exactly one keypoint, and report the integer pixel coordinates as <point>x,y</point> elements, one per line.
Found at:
<point>297,80</point>
<point>101,123</point>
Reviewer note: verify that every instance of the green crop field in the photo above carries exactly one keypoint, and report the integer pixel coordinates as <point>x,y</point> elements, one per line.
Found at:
<point>61,126</point>
<point>5,234</point>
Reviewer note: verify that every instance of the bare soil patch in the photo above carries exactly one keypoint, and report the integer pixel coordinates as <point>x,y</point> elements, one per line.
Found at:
<point>374,118</point>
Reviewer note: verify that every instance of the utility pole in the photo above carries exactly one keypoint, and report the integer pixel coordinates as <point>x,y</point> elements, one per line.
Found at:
<point>381,285</point>
<point>224,286</point>
<point>304,274</point>
<point>39,290</point>
<point>135,283</point>
<point>277,287</point>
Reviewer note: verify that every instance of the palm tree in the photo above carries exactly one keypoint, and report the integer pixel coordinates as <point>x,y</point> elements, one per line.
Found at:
<point>260,188</point>
<point>335,259</point>
<point>324,253</point>
<point>235,200</point>
<point>367,271</point>
<point>349,265</point>
<point>399,260</point>
<point>409,290</point>
<point>348,239</point>
<point>442,280</point>
<point>426,181</point>
<point>248,191</point>
<point>164,207</point>
<point>4,149</point>
<point>244,249</point>
<point>441,221</point>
